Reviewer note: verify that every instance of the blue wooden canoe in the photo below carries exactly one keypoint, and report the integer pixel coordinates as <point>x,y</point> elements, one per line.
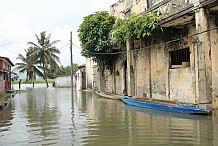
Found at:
<point>168,107</point>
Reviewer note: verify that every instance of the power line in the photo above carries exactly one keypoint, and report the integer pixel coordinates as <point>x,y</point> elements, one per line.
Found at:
<point>8,49</point>
<point>171,41</point>
<point>10,41</point>
<point>64,46</point>
<point>77,46</point>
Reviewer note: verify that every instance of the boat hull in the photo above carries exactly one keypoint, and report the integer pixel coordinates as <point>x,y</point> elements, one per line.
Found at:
<point>178,108</point>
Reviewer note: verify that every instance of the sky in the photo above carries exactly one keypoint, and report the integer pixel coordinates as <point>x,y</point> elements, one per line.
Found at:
<point>21,20</point>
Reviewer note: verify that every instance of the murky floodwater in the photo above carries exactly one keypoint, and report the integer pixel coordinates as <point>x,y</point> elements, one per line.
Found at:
<point>51,117</point>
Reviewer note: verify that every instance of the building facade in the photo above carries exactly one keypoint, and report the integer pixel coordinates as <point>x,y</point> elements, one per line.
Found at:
<point>184,69</point>
<point>5,74</point>
<point>80,78</point>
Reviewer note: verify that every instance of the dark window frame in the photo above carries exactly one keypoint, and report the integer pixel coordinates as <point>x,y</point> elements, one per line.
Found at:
<point>180,58</point>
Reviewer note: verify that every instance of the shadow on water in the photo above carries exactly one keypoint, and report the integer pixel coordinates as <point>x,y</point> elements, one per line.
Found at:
<point>166,114</point>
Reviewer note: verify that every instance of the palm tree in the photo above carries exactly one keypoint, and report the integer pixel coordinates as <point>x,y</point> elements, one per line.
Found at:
<point>28,64</point>
<point>45,52</point>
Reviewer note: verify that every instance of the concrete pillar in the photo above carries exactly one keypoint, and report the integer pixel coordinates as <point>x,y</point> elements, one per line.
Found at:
<point>80,80</point>
<point>166,51</point>
<point>102,81</point>
<point>203,58</point>
<point>130,70</point>
<point>114,79</point>
<point>148,73</point>
<point>214,54</point>
<point>123,80</point>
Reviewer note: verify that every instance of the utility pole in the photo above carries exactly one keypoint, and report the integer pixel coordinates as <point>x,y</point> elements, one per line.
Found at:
<point>71,60</point>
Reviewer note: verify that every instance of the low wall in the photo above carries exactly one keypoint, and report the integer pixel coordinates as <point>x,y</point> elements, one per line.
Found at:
<point>63,82</point>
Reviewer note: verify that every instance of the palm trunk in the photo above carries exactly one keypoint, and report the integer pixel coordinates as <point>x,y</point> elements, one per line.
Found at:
<point>45,76</point>
<point>46,82</point>
<point>27,77</point>
<point>33,84</point>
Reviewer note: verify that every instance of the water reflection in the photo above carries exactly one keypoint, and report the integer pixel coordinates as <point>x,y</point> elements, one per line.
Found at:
<point>6,118</point>
<point>49,116</point>
<point>42,115</point>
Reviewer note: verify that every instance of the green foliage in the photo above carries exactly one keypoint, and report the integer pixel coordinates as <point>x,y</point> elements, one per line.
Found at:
<point>66,71</point>
<point>36,81</point>
<point>120,30</point>
<point>94,36</point>
<point>137,27</point>
<point>46,53</point>
<point>41,59</point>
<point>2,94</point>
<point>29,65</point>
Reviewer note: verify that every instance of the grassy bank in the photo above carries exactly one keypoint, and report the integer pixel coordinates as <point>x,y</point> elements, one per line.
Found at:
<point>37,81</point>
<point>3,94</point>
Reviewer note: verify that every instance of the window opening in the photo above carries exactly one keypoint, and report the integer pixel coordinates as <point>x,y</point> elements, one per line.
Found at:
<point>180,58</point>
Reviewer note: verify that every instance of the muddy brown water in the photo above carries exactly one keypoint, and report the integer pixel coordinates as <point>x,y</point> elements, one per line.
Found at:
<point>49,116</point>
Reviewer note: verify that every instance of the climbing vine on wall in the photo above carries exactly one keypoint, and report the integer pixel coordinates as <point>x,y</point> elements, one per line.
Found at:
<point>94,34</point>
<point>137,27</point>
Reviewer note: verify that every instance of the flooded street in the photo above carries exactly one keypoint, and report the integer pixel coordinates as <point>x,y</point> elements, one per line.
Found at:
<point>50,116</point>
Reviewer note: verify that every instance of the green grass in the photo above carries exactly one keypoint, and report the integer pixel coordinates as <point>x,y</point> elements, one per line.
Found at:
<point>21,91</point>
<point>3,94</point>
<point>37,81</point>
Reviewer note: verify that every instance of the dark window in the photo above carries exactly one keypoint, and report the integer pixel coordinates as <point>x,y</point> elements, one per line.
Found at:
<point>180,58</point>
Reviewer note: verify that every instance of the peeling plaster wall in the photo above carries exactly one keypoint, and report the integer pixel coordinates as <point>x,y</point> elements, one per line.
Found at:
<point>148,69</point>
<point>108,82</point>
<point>89,73</point>
<point>214,54</point>
<point>2,86</point>
<point>158,72</point>
<point>119,74</point>
<point>96,78</point>
<point>125,8</point>
<point>140,72</point>
<point>182,86</point>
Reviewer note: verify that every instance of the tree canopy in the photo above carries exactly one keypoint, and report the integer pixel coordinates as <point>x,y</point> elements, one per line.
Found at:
<point>94,35</point>
<point>66,71</point>
<point>95,31</point>
<point>41,58</point>
<point>137,27</point>
<point>45,53</point>
<point>29,65</point>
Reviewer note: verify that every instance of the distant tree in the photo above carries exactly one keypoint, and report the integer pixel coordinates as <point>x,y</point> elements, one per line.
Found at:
<point>45,53</point>
<point>75,68</point>
<point>53,71</point>
<point>66,71</point>
<point>28,65</point>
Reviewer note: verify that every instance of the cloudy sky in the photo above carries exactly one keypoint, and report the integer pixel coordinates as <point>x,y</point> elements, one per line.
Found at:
<point>20,20</point>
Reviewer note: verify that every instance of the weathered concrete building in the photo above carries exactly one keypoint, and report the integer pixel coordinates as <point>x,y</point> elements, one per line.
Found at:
<point>184,69</point>
<point>5,74</point>
<point>80,78</point>
<point>90,69</point>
